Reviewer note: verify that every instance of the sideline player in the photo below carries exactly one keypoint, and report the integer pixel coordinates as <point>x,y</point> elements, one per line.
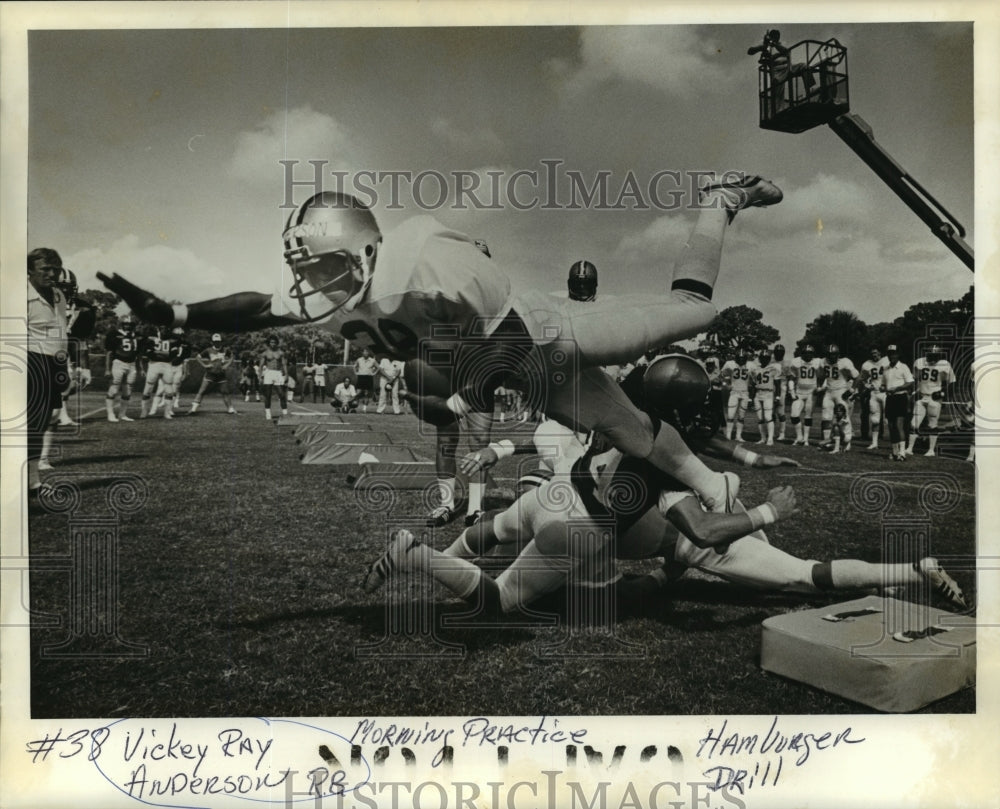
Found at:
<point>765,380</point>
<point>216,361</point>
<point>274,366</point>
<point>805,370</point>
<point>838,375</point>
<point>81,318</point>
<point>156,350</point>
<point>871,380</point>
<point>934,375</point>
<point>736,375</point>
<point>365,368</point>
<point>427,288</point>
<point>897,382</point>
<point>122,347</point>
<point>582,281</point>
<point>783,390</point>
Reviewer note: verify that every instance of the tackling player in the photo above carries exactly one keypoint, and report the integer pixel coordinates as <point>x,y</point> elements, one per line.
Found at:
<point>934,375</point>
<point>871,379</point>
<point>427,288</point>
<point>612,503</point>
<point>216,361</point>
<point>805,370</point>
<point>736,375</point>
<point>837,386</point>
<point>122,348</point>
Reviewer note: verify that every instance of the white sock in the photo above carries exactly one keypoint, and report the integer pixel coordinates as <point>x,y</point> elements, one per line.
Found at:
<point>476,489</point>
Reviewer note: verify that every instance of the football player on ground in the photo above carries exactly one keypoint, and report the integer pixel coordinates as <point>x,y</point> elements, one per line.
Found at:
<point>765,381</point>
<point>216,361</point>
<point>837,385</point>
<point>122,346</point>
<point>897,382</point>
<point>805,371</point>
<point>782,390</point>
<point>736,375</point>
<point>274,364</point>
<point>425,287</point>
<point>871,378</point>
<point>574,543</point>
<point>934,376</point>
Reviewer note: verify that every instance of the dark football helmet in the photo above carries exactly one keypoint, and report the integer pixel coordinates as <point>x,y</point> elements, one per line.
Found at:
<point>582,281</point>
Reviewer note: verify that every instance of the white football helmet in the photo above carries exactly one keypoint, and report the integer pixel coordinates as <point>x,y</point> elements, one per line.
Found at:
<point>331,241</point>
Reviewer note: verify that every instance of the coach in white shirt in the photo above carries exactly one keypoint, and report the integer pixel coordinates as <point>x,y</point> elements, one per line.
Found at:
<point>48,372</point>
<point>897,381</point>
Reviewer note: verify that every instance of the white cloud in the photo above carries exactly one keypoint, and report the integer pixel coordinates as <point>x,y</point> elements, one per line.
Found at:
<point>298,134</point>
<point>483,139</point>
<point>169,273</point>
<point>677,60</point>
<point>658,244</point>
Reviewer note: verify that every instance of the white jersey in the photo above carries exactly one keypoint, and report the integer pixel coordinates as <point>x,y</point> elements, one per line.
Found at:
<point>839,375</point>
<point>765,378</point>
<point>932,376</point>
<point>739,376</point>
<point>872,370</point>
<point>805,373</point>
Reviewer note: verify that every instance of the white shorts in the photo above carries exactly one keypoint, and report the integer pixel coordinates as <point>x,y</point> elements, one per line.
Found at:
<point>122,372</point>
<point>273,377</point>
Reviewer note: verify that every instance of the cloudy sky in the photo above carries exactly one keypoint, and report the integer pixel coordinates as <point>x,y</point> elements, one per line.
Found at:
<point>155,153</point>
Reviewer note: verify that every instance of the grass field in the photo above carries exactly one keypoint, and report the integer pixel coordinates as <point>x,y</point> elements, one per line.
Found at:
<point>240,575</point>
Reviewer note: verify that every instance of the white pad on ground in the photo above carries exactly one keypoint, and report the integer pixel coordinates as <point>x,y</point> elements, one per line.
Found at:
<point>891,655</point>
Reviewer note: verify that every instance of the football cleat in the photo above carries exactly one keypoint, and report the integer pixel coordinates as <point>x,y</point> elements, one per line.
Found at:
<point>942,584</point>
<point>400,543</point>
<point>442,515</point>
<point>123,417</point>
<point>473,518</point>
<point>750,192</point>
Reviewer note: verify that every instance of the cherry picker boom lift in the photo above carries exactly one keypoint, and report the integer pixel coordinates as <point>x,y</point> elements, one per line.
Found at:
<point>806,85</point>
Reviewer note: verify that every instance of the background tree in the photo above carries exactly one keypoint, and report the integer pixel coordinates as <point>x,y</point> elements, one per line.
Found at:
<point>740,327</point>
<point>844,328</point>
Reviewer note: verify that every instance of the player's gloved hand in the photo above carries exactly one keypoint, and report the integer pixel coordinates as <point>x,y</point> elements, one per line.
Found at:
<point>774,461</point>
<point>432,409</point>
<point>938,395</point>
<point>783,500</point>
<point>145,304</point>
<point>477,461</point>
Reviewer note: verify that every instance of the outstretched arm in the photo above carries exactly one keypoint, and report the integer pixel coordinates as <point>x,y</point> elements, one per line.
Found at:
<point>243,311</point>
<point>716,529</point>
<point>717,447</point>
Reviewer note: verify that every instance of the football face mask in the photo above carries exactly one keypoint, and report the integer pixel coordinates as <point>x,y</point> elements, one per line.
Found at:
<point>330,245</point>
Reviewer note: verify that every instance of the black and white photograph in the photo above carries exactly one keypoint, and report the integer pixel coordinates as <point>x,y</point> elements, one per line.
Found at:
<point>477,385</point>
